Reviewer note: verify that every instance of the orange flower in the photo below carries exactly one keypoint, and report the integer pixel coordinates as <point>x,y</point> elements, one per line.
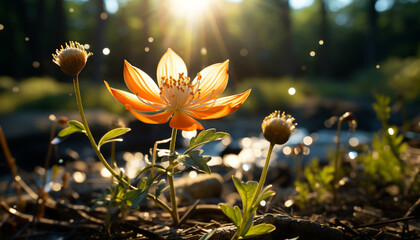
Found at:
<point>176,95</point>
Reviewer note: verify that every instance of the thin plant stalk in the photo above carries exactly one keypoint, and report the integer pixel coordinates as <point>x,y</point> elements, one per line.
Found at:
<point>48,157</point>
<point>171,177</point>
<point>99,154</point>
<point>298,168</point>
<point>113,165</point>
<point>257,192</point>
<point>11,162</point>
<point>337,161</point>
<point>263,174</point>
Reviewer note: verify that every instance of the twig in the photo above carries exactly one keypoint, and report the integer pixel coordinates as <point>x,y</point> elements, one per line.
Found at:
<point>389,221</point>
<point>188,212</point>
<point>11,162</point>
<point>345,226</point>
<point>45,221</point>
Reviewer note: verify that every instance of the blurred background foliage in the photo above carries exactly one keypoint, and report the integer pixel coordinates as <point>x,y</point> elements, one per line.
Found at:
<point>321,48</point>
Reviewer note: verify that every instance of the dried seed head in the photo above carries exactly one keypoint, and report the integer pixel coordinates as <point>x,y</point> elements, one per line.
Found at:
<point>277,127</point>
<point>71,59</point>
<point>63,120</point>
<point>350,119</point>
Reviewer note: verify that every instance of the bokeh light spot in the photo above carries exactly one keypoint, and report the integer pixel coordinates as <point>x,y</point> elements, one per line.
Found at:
<point>36,64</point>
<point>106,51</point>
<point>104,16</point>
<point>292,91</point>
<point>243,52</point>
<point>203,51</point>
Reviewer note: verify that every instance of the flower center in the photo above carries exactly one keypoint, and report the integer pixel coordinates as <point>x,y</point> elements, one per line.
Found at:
<point>179,92</point>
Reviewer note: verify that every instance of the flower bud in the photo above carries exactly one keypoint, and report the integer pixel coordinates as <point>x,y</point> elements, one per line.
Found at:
<point>71,59</point>
<point>277,127</point>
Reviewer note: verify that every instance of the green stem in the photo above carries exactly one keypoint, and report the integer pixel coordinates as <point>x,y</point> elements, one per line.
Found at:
<point>175,214</point>
<point>113,165</point>
<point>247,214</point>
<point>90,137</point>
<point>99,154</point>
<point>337,161</point>
<point>263,174</point>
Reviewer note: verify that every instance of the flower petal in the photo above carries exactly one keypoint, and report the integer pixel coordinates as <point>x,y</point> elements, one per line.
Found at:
<point>182,121</point>
<point>130,99</point>
<point>141,84</point>
<point>157,118</point>
<point>222,107</point>
<point>170,65</point>
<point>214,79</point>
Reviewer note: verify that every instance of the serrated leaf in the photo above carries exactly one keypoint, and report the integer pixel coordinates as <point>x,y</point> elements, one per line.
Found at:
<point>246,191</point>
<point>234,214</point>
<point>112,134</point>
<point>195,160</point>
<point>204,137</point>
<point>161,187</point>
<point>259,229</point>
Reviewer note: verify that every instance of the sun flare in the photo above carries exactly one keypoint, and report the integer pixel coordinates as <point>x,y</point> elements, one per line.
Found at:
<point>189,7</point>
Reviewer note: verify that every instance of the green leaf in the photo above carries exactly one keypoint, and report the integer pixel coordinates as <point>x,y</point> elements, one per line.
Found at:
<point>161,187</point>
<point>142,184</point>
<point>195,160</point>
<point>246,191</point>
<point>134,198</point>
<point>170,157</point>
<point>248,224</point>
<point>73,126</point>
<point>265,193</point>
<point>204,137</point>
<point>259,229</point>
<point>233,213</point>
<point>112,134</point>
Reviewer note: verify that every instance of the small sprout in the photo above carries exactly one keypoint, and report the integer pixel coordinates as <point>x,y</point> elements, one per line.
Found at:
<point>277,127</point>
<point>71,59</point>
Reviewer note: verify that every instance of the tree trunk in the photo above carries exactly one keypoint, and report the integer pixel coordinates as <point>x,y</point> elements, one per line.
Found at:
<point>99,43</point>
<point>370,57</point>
<point>287,57</point>
<point>326,70</point>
